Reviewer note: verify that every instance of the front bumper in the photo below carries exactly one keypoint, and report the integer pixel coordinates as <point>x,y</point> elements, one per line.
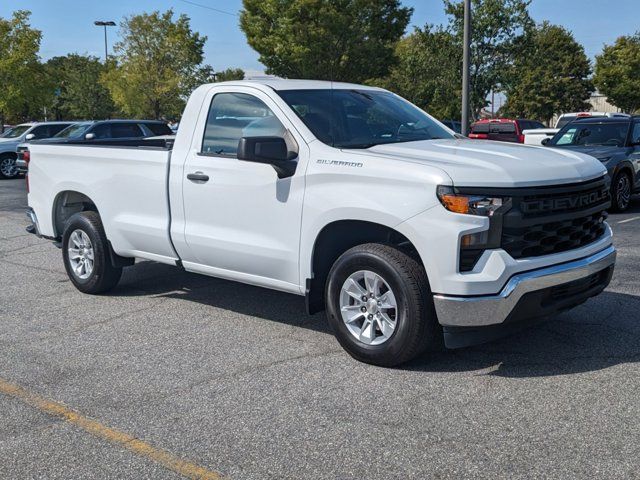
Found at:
<point>531,294</point>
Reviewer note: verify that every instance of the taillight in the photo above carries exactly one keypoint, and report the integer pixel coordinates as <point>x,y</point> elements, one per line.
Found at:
<point>521,138</point>
<point>26,156</point>
<point>479,136</point>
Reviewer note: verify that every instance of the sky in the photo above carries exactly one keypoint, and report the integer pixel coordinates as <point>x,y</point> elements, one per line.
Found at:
<point>67,25</point>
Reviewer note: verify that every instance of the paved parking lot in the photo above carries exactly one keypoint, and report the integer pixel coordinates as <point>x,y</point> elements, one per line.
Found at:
<point>178,374</point>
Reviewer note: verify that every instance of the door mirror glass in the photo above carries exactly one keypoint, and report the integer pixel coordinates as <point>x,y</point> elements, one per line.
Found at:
<point>545,141</point>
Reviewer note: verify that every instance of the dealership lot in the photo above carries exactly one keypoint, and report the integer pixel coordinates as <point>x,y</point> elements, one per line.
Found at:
<point>238,381</point>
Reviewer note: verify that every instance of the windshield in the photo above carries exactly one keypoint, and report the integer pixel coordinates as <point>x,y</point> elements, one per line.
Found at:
<point>15,132</point>
<point>361,118</point>
<point>73,131</point>
<point>592,134</point>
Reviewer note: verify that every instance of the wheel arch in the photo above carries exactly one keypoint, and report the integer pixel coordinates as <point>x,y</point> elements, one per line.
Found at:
<point>66,204</point>
<point>337,237</point>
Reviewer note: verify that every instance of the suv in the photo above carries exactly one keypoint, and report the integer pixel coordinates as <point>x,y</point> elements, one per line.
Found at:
<point>22,133</point>
<point>615,141</point>
<point>502,129</point>
<point>112,129</point>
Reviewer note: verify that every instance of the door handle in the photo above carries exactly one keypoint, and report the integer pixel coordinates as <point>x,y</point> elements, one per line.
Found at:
<point>198,177</point>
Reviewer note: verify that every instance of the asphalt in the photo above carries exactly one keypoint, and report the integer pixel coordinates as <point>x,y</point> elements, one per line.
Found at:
<point>240,381</point>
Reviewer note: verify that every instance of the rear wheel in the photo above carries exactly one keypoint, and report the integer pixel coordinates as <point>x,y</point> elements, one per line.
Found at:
<point>621,192</point>
<point>380,306</point>
<point>8,168</point>
<point>86,254</point>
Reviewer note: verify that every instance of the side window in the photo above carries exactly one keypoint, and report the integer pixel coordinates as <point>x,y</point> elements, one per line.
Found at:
<point>54,129</point>
<point>125,130</point>
<point>236,115</point>
<point>635,135</point>
<point>101,131</point>
<point>41,132</point>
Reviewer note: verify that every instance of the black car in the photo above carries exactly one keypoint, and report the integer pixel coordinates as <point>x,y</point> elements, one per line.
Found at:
<point>106,132</point>
<point>97,131</point>
<point>616,143</point>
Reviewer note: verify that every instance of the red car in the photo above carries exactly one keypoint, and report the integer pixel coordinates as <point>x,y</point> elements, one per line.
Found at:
<point>502,129</point>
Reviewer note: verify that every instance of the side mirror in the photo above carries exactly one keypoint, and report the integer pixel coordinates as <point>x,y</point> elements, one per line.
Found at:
<point>29,136</point>
<point>90,136</point>
<point>545,140</point>
<point>269,150</point>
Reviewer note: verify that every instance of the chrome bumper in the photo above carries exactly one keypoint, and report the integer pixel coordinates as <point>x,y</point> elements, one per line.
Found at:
<point>494,309</point>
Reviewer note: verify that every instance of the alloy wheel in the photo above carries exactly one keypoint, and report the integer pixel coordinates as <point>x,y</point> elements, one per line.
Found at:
<point>368,307</point>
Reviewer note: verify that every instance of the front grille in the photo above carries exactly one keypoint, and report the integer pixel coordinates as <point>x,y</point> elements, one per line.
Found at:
<point>547,220</point>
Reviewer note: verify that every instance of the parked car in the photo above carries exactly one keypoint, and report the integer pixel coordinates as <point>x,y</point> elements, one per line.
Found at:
<point>22,133</point>
<point>613,141</point>
<point>112,129</point>
<point>454,125</point>
<point>502,129</point>
<point>106,132</point>
<point>536,136</point>
<point>349,195</point>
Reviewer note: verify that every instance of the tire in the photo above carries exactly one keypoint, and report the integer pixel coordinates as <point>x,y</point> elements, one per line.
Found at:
<point>85,230</point>
<point>621,188</point>
<point>416,327</point>
<point>8,167</point>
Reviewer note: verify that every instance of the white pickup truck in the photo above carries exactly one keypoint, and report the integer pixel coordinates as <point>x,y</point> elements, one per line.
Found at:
<point>407,234</point>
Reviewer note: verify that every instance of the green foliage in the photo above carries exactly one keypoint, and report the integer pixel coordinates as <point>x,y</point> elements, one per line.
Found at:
<point>23,88</point>
<point>230,74</point>
<point>345,40</point>
<point>428,72</point>
<point>550,76</point>
<point>617,73</point>
<point>158,62</point>
<point>78,93</point>
<point>497,26</point>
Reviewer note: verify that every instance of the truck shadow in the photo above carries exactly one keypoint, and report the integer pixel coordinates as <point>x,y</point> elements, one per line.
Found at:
<point>602,333</point>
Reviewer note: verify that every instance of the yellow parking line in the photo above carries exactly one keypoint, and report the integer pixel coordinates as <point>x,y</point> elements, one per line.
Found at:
<point>162,457</point>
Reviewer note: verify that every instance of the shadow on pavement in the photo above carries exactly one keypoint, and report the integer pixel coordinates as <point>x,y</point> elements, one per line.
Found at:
<point>601,333</point>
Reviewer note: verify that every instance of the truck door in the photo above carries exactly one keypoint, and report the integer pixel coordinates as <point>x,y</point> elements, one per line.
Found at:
<point>240,220</point>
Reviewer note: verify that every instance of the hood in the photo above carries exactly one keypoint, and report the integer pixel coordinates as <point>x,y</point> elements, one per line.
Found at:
<point>484,163</point>
<point>601,152</point>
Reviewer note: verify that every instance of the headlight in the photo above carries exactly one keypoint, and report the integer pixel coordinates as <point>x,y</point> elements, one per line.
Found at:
<point>484,206</point>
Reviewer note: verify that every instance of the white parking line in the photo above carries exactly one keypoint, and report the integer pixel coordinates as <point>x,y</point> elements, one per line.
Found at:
<point>629,220</point>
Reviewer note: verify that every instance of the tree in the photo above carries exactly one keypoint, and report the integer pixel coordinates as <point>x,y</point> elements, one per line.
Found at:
<point>346,40</point>
<point>230,74</point>
<point>23,88</point>
<point>496,26</point>
<point>157,64</point>
<point>617,73</point>
<point>78,93</point>
<point>550,76</point>
<point>428,72</point>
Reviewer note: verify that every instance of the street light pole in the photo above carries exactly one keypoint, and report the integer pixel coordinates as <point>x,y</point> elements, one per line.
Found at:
<point>100,23</point>
<point>465,67</point>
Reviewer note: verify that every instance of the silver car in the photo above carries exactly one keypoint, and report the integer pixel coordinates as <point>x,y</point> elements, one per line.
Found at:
<point>22,133</point>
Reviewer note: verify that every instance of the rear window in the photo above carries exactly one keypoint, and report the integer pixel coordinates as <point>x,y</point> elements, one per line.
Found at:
<point>159,128</point>
<point>480,128</point>
<point>503,128</point>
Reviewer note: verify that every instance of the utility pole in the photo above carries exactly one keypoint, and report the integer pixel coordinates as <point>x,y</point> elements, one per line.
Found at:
<point>466,54</point>
<point>100,23</point>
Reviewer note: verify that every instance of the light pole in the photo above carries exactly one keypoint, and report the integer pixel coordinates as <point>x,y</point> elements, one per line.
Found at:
<point>99,23</point>
<point>465,67</point>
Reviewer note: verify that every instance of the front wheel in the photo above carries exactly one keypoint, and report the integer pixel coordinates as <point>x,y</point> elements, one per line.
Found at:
<point>86,254</point>
<point>380,306</point>
<point>621,192</point>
